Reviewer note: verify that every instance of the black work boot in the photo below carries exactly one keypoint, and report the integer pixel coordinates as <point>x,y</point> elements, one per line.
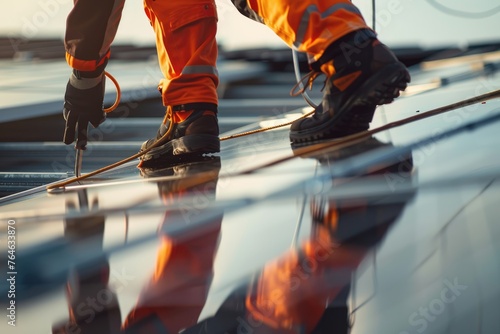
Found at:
<point>366,74</point>
<point>187,130</point>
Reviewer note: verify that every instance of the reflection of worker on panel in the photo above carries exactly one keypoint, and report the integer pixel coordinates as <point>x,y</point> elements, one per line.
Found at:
<point>303,291</point>
<point>93,306</point>
<point>306,290</point>
<point>176,294</point>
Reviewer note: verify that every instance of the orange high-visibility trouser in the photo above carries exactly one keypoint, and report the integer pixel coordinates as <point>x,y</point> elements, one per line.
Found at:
<point>187,50</point>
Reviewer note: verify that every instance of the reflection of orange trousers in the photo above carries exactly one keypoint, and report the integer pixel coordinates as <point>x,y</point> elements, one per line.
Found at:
<point>294,290</point>
<point>175,297</point>
<point>187,50</point>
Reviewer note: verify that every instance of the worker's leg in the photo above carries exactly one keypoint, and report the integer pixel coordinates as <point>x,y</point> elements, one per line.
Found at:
<point>361,72</point>
<point>308,26</point>
<point>187,52</point>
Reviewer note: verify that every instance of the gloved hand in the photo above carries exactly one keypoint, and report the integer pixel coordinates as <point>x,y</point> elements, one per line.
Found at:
<point>83,104</point>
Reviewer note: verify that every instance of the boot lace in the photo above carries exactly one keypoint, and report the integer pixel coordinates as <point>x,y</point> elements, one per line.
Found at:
<point>169,117</point>
<point>304,83</point>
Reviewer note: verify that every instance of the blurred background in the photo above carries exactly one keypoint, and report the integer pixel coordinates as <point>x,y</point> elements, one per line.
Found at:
<point>425,23</point>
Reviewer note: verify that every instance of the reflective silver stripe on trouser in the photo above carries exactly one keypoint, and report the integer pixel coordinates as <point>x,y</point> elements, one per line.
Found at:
<point>200,69</point>
<point>304,22</point>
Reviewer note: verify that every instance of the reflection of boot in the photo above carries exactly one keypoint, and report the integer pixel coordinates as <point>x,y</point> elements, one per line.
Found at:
<point>306,289</point>
<point>176,293</point>
<point>191,186</point>
<point>328,154</point>
<point>362,221</point>
<point>184,176</point>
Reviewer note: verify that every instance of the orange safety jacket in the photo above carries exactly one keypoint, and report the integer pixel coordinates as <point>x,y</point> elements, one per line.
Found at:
<point>185,36</point>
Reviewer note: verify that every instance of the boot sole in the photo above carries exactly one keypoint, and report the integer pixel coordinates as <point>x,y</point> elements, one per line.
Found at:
<point>381,88</point>
<point>192,145</point>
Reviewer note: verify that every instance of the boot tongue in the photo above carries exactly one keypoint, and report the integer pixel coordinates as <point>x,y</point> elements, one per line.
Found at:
<point>181,116</point>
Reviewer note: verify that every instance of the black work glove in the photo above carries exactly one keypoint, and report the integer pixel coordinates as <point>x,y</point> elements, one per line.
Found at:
<point>83,104</point>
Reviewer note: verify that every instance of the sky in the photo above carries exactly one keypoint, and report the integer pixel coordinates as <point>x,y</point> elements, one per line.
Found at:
<point>399,22</point>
